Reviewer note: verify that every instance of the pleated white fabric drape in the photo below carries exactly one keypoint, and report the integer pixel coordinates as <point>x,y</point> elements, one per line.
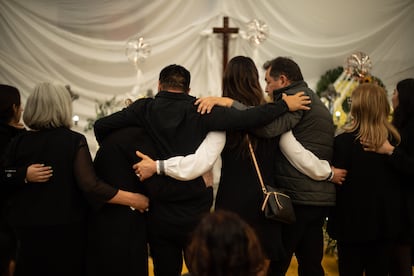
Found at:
<point>82,43</point>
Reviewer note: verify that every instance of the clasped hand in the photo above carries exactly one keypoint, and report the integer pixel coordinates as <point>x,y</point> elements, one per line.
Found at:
<point>145,168</point>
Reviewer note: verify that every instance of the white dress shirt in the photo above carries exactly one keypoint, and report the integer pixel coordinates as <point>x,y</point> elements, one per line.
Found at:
<point>202,161</point>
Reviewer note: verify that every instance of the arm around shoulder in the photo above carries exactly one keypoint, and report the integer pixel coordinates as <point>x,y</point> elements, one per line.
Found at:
<point>302,159</point>
<point>184,167</point>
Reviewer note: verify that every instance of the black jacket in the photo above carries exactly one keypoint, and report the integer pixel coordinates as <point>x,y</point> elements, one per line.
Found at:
<point>64,197</point>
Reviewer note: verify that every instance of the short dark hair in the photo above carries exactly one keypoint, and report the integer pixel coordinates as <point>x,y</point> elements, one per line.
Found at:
<point>175,77</point>
<point>284,66</point>
<point>9,96</point>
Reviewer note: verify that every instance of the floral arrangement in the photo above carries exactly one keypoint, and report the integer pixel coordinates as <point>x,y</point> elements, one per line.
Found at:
<point>102,109</point>
<point>335,88</point>
<point>107,107</point>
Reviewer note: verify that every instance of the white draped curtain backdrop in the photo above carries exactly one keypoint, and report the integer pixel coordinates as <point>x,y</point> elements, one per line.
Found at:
<point>82,43</point>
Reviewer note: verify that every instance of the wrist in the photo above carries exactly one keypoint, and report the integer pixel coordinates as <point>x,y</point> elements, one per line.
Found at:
<point>229,102</point>
<point>160,167</point>
<point>331,176</point>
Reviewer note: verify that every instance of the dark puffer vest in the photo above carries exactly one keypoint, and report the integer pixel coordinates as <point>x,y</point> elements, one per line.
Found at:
<point>315,131</point>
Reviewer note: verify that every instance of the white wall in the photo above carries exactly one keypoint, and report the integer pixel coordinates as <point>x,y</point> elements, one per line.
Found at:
<point>82,43</point>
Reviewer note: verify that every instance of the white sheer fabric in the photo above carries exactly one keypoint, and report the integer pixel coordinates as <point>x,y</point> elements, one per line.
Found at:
<point>82,43</point>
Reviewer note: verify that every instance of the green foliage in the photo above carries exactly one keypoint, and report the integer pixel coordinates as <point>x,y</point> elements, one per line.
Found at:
<point>326,79</point>
<point>102,109</point>
<point>332,75</point>
<point>346,107</point>
<point>379,81</point>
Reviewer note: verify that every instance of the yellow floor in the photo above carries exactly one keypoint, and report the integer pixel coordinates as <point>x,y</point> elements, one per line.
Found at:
<point>150,268</point>
<point>329,264</point>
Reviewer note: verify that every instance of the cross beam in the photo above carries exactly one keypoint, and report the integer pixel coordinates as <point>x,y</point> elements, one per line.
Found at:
<point>225,30</point>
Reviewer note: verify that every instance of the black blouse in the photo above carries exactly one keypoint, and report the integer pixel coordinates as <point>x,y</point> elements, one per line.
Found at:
<point>64,197</point>
<point>368,202</point>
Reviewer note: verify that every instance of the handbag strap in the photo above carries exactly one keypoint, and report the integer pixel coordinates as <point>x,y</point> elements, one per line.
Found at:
<point>259,174</point>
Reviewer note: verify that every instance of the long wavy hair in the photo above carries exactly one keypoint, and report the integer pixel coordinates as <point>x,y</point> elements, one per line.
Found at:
<point>241,83</point>
<point>224,245</point>
<point>370,112</point>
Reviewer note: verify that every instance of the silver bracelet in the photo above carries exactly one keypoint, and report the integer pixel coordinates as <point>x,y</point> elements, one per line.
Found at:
<point>161,165</point>
<point>331,175</point>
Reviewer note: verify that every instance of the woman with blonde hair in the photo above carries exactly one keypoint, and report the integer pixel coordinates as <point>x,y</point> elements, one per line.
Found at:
<point>367,217</point>
<point>50,218</point>
<point>401,157</point>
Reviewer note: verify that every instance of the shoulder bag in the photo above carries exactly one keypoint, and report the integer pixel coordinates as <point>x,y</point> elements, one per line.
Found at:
<point>276,204</point>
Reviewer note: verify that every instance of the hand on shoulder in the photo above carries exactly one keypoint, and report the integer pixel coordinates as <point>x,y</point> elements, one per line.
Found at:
<point>206,104</point>
<point>299,101</point>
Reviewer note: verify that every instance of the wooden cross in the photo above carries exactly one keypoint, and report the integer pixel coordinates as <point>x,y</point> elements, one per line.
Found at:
<point>225,30</point>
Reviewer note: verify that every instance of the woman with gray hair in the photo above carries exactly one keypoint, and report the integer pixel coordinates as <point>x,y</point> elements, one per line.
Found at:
<point>50,218</point>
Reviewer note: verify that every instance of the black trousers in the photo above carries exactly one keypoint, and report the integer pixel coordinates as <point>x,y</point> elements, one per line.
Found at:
<point>117,243</point>
<point>304,238</point>
<point>170,224</point>
<point>401,259</point>
<point>51,250</point>
<point>167,244</point>
<point>371,258</point>
<point>374,258</point>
